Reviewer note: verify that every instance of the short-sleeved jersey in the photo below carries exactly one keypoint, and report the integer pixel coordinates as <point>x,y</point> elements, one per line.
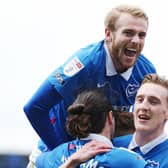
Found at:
<point>116,158</point>
<point>157,156</point>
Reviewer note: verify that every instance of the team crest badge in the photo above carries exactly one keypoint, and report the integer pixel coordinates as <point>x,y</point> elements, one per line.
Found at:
<point>153,164</point>
<point>131,89</point>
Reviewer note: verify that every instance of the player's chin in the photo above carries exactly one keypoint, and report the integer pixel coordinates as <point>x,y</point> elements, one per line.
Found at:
<point>141,127</point>
<point>128,65</point>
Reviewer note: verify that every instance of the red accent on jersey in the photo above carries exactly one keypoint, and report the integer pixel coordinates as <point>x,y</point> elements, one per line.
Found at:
<point>71,146</point>
<point>52,120</point>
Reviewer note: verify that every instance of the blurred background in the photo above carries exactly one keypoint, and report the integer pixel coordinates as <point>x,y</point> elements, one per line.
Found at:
<point>38,35</point>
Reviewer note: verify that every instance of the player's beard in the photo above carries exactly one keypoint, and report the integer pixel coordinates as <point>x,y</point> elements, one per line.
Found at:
<point>121,60</point>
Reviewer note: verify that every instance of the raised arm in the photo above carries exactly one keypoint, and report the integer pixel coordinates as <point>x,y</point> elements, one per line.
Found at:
<point>37,111</point>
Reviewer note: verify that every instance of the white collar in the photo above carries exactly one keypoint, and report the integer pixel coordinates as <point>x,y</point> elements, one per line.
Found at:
<point>149,146</point>
<point>110,68</point>
<point>99,138</point>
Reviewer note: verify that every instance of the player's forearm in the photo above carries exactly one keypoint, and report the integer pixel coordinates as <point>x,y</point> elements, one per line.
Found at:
<point>37,111</point>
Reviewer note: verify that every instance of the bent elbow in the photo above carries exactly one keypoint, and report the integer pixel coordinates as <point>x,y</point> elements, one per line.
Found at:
<point>27,109</point>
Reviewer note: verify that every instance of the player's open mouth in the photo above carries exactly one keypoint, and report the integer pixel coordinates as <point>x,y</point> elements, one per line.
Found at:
<point>143,117</point>
<point>130,52</point>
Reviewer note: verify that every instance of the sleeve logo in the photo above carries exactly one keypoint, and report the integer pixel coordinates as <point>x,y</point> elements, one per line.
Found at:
<point>72,67</point>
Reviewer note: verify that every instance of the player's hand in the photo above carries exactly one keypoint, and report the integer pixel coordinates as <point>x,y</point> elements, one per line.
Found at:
<point>88,151</point>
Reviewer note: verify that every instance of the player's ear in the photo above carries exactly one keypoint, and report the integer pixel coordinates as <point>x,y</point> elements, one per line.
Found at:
<point>166,115</point>
<point>108,35</point>
<point>110,117</point>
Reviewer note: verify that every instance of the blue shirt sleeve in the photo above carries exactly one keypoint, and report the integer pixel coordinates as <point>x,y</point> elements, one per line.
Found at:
<point>37,111</point>
<point>53,158</point>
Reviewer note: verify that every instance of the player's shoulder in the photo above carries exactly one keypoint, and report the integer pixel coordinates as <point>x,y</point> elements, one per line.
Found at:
<point>122,141</point>
<point>142,59</point>
<point>90,55</point>
<point>144,65</point>
<point>124,157</point>
<point>91,49</point>
<point>129,155</point>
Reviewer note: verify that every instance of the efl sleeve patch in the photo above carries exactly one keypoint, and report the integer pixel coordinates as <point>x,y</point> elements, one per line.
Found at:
<point>72,67</point>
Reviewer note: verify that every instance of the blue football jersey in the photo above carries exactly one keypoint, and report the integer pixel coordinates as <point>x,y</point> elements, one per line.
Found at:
<point>157,156</point>
<point>85,69</point>
<point>116,158</point>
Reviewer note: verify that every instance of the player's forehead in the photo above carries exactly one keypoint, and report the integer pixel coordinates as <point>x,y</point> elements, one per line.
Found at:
<point>152,89</point>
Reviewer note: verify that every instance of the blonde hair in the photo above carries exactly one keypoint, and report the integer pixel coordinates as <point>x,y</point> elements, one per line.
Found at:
<point>156,79</point>
<point>114,14</point>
